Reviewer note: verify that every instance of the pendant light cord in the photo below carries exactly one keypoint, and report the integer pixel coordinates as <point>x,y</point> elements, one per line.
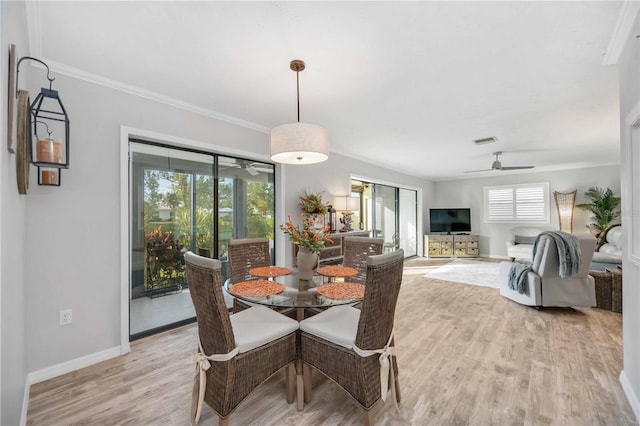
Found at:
<point>298,92</point>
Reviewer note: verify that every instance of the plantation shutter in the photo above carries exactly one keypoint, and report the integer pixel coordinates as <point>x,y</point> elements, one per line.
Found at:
<point>517,203</point>
<point>499,204</point>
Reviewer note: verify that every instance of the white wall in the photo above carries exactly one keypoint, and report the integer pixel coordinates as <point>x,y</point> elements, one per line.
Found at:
<point>12,234</point>
<point>629,67</point>
<point>74,230</point>
<point>469,193</point>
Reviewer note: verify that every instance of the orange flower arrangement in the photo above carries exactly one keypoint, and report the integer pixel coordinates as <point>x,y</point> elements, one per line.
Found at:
<point>306,234</point>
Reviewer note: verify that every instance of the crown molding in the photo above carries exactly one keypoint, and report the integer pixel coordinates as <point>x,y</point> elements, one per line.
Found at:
<point>628,12</point>
<point>35,50</point>
<point>33,28</point>
<point>147,94</point>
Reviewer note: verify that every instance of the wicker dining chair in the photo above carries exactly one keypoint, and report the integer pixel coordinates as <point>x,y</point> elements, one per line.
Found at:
<point>350,346</point>
<point>238,352</point>
<point>247,253</point>
<point>356,250</point>
<point>244,254</point>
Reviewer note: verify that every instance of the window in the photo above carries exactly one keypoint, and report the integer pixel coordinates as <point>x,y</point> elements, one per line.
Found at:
<point>517,203</point>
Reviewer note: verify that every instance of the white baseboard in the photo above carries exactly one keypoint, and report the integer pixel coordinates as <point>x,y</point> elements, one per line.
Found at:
<point>64,368</point>
<point>631,395</point>
<point>25,403</point>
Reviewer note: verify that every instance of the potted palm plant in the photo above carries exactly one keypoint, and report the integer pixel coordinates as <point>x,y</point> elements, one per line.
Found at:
<point>604,207</point>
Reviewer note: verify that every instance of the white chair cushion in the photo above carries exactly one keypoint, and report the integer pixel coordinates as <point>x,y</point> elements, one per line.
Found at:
<point>259,325</point>
<point>338,325</point>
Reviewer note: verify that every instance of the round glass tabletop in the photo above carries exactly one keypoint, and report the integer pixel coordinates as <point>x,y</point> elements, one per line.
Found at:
<point>297,293</point>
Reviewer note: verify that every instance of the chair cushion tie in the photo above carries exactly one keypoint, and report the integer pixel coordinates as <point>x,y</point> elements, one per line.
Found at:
<point>202,365</point>
<point>385,367</point>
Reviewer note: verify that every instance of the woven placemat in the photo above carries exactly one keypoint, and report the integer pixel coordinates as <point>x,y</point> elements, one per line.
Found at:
<point>336,271</point>
<point>342,291</point>
<point>256,288</point>
<point>269,271</point>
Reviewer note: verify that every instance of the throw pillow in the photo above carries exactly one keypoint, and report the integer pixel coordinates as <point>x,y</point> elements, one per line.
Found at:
<point>524,240</point>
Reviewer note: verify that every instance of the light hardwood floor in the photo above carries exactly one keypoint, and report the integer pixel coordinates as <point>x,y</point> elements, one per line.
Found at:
<point>466,356</point>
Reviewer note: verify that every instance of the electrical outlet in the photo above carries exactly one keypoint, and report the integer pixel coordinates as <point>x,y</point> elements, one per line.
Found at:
<point>65,317</point>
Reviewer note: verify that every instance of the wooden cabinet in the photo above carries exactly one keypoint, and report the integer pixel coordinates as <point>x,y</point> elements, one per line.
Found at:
<point>466,245</point>
<point>438,245</point>
<point>332,252</point>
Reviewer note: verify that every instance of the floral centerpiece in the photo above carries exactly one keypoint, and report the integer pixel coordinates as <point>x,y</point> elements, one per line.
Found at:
<point>306,234</point>
<point>312,203</point>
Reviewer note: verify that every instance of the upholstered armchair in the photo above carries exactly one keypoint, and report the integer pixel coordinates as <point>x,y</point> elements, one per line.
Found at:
<point>544,286</point>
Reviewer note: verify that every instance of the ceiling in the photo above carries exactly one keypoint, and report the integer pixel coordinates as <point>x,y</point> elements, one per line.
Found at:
<point>405,85</point>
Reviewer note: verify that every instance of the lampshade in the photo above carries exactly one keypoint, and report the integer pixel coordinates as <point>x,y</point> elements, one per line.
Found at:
<point>299,143</point>
<point>565,203</point>
<point>346,204</point>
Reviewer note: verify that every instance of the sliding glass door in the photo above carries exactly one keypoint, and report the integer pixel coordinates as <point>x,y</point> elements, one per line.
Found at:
<point>408,221</point>
<point>183,200</point>
<point>385,217</point>
<point>390,213</point>
<point>246,203</point>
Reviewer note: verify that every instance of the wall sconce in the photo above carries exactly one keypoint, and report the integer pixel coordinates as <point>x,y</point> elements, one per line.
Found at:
<point>47,153</point>
<point>565,203</point>
<point>346,205</point>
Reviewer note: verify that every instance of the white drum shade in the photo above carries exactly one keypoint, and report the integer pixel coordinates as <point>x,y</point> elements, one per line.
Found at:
<point>346,203</point>
<point>299,143</point>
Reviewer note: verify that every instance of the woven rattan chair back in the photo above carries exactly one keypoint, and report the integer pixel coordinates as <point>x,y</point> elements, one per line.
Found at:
<point>205,287</point>
<point>230,382</point>
<point>245,254</point>
<point>356,250</point>
<point>384,277</point>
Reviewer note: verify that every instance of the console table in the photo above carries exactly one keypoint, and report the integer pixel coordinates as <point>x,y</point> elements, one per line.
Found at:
<point>447,246</point>
<point>332,252</point>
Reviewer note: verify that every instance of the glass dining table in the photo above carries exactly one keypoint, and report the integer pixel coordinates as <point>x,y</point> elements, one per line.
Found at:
<point>280,288</point>
<point>288,291</point>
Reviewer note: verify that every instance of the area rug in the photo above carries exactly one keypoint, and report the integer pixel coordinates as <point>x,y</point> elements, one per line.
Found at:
<point>466,271</point>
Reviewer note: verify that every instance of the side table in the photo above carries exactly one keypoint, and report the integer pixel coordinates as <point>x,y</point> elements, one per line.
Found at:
<point>603,281</point>
<point>616,289</point>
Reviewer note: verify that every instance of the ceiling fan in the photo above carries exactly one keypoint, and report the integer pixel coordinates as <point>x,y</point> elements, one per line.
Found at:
<point>497,165</point>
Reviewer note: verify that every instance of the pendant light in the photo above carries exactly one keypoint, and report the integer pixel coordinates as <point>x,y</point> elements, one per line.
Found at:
<point>299,143</point>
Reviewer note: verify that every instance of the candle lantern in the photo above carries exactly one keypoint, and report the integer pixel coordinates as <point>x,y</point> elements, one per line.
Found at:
<point>50,151</point>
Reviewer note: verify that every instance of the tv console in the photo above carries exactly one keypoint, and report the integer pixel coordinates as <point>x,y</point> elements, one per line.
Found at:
<point>452,245</point>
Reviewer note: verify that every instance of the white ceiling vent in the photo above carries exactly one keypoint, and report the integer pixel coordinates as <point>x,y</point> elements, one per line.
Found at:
<point>483,141</point>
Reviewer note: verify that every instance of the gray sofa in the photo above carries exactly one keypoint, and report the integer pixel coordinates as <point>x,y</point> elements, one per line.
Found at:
<point>608,253</point>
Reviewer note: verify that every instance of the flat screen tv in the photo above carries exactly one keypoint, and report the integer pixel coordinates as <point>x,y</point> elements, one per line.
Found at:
<point>450,220</point>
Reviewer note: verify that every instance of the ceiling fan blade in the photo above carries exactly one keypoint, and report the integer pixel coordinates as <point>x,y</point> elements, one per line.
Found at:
<point>517,167</point>
<point>483,170</point>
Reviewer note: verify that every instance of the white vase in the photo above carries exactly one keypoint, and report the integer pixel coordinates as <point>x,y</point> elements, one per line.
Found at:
<point>307,262</point>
